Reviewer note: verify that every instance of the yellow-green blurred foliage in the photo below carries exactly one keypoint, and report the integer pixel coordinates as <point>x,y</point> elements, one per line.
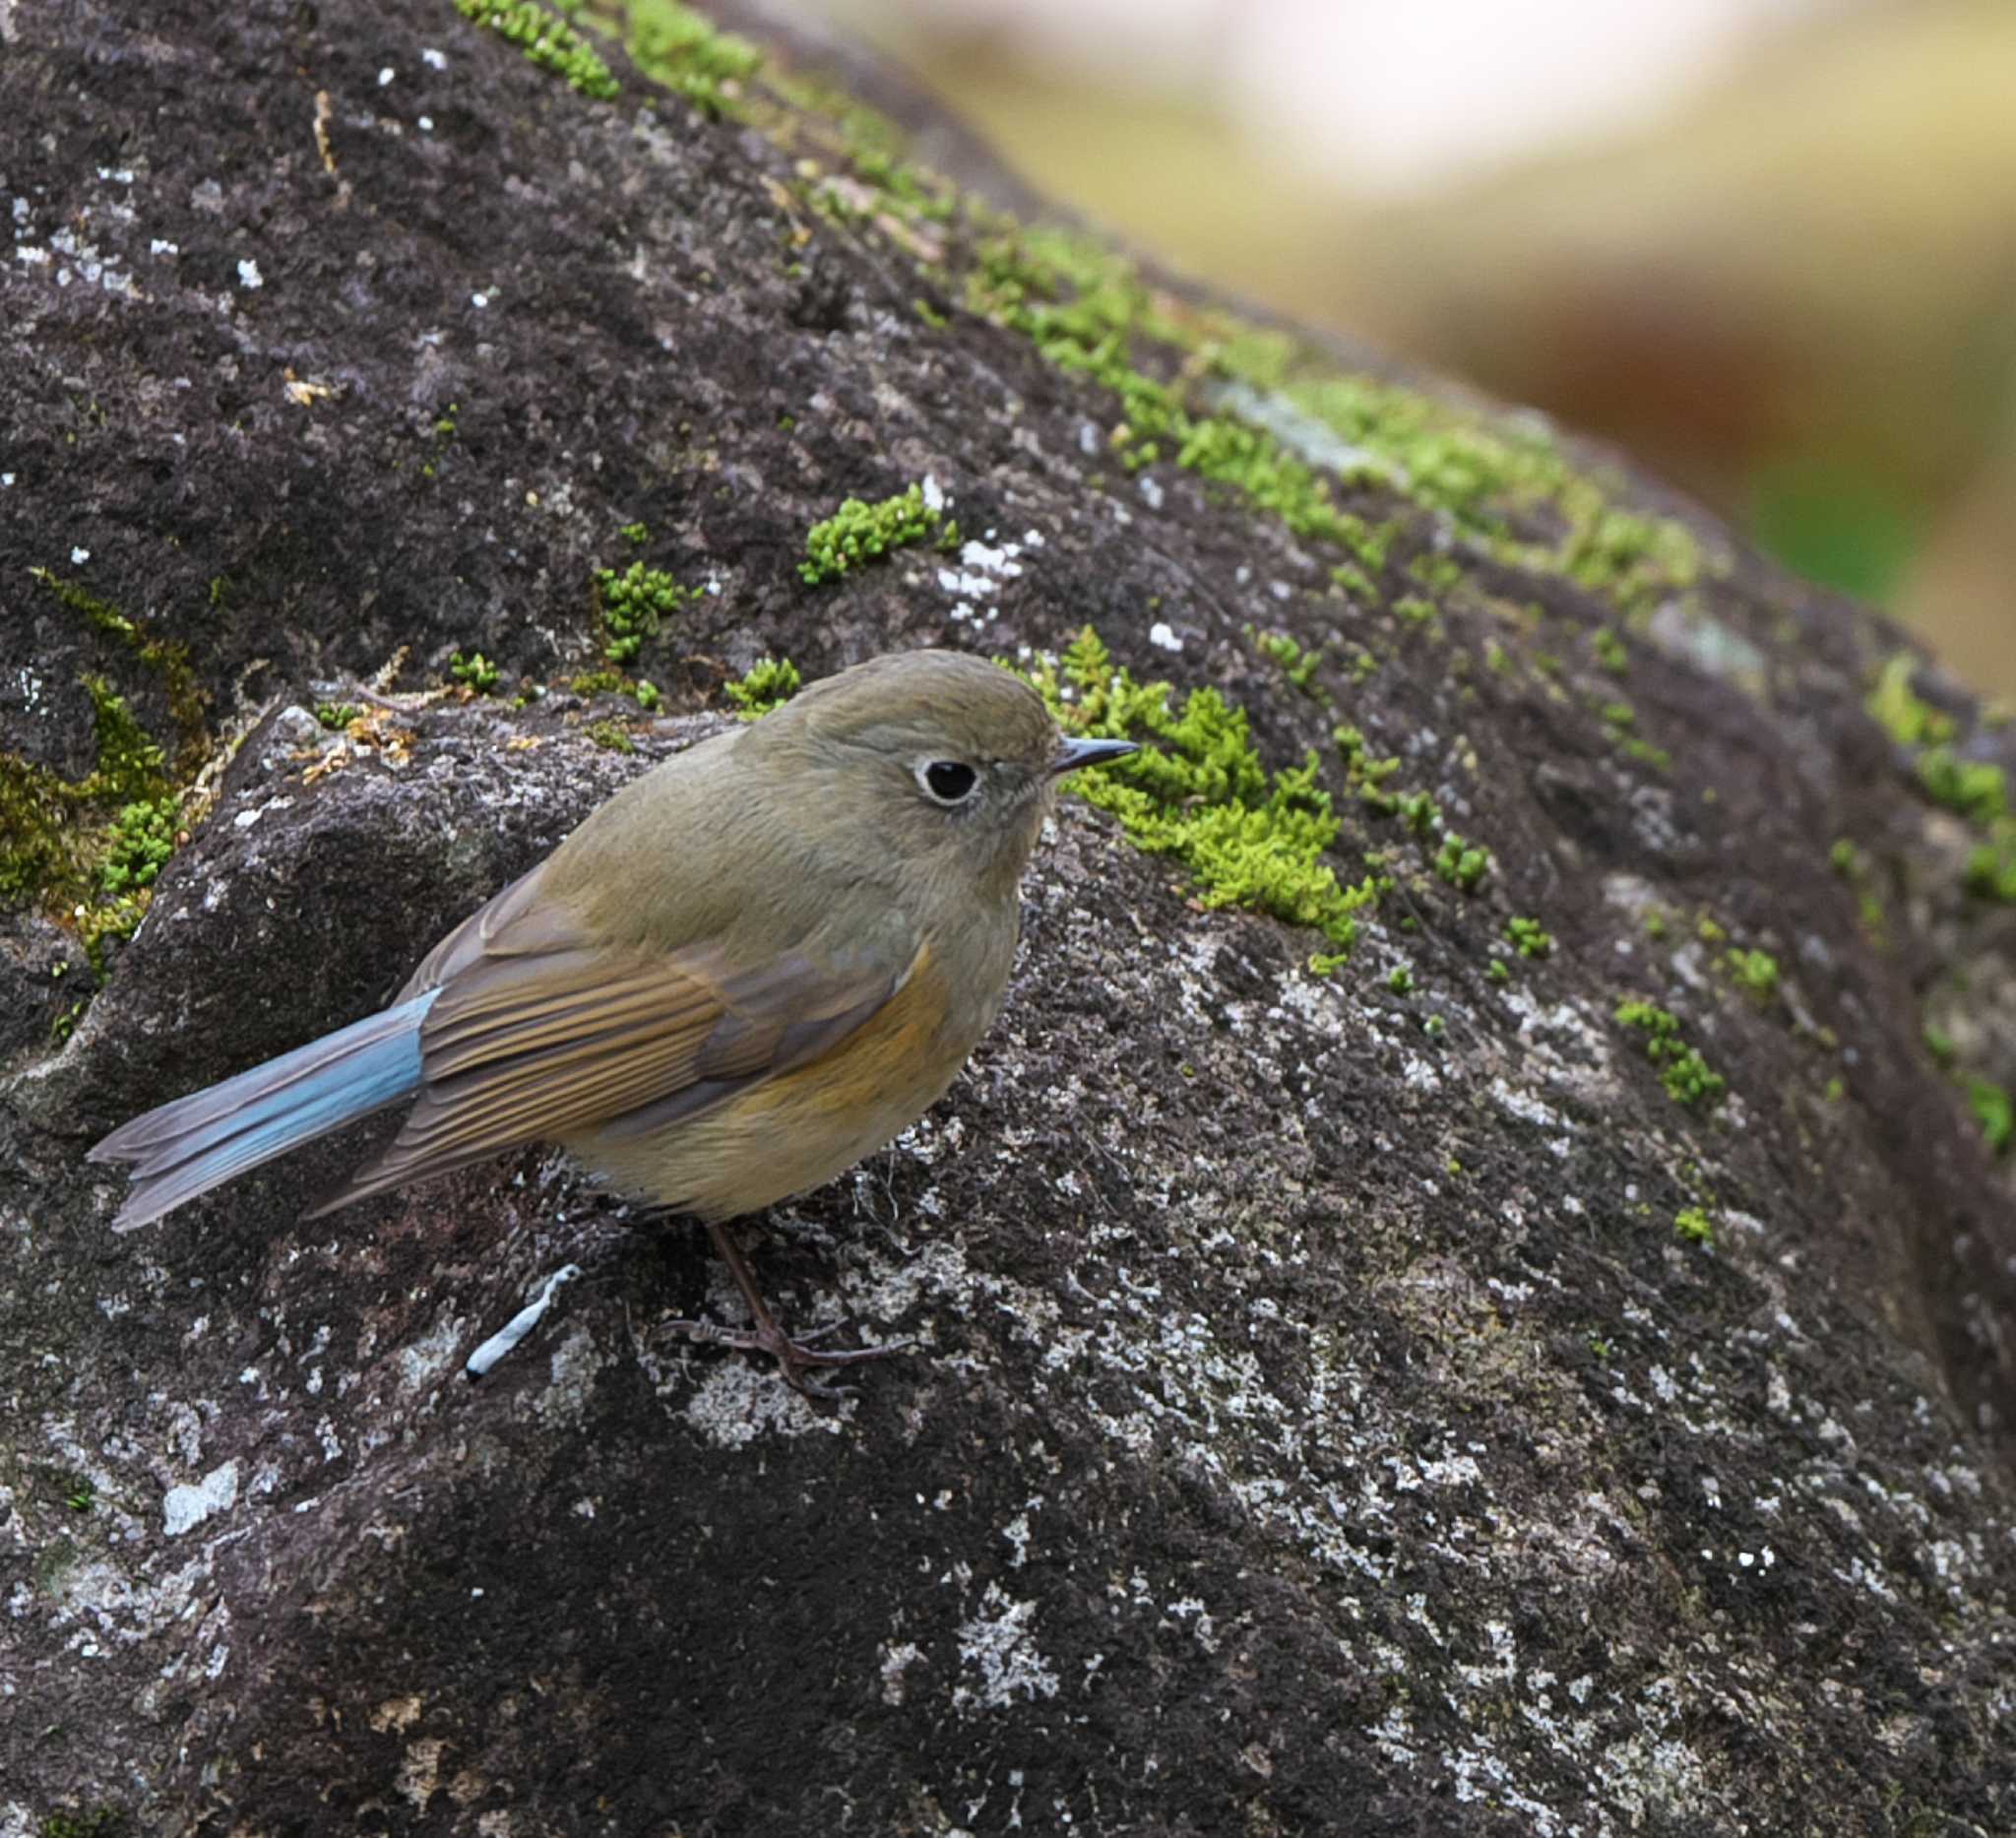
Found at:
<point>1794,296</point>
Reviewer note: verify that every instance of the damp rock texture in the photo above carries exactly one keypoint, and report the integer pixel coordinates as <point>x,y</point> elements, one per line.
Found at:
<point>1549,1368</point>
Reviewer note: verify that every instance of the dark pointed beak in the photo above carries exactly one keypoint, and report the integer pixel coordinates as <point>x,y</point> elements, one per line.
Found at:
<point>1076,754</point>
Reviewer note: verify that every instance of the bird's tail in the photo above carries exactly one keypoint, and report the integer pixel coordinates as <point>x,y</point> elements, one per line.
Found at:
<point>187,1147</point>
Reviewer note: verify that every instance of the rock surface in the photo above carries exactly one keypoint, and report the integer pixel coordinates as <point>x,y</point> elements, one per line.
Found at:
<point>1364,1401</point>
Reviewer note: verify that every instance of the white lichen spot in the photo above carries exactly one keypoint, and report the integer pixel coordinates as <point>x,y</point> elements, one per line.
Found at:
<point>1162,636</point>
<point>897,1658</point>
<point>998,1646</point>
<point>738,1400</point>
<point>432,58</point>
<point>188,1505</point>
<point>249,277</point>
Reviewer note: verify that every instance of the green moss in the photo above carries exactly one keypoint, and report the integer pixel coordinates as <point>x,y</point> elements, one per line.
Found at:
<point>1902,714</point>
<point>1754,970</point>
<point>1688,1077</point>
<point>611,735</point>
<point>335,716</point>
<point>1694,1225</point>
<point>769,685</point>
<point>859,531</point>
<point>1399,979</point>
<point>142,840</point>
<point>1938,1043</point>
<point>634,607</point>
<point>1994,1110</point>
<point>637,535</point>
<point>1499,972</point>
<point>1419,810</point>
<point>546,40</point>
<point>1199,792</point>
<point>688,53</point>
<point>88,850</point>
<point>1991,866</point>
<point>597,683</point>
<point>476,670</point>
<point>1974,789</point>
<point>1299,665</point>
<point>1439,574</point>
<point>1530,937</point>
<point>1609,651</point>
<point>1463,867</point>
<point>648,697</point>
<point>1414,609</point>
<point>99,1822</point>
<point>161,658</point>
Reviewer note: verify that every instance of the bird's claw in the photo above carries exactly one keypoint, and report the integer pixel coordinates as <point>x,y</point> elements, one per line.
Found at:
<point>796,1357</point>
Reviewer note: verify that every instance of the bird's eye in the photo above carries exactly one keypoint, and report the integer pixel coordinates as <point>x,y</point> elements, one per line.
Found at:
<point>949,780</point>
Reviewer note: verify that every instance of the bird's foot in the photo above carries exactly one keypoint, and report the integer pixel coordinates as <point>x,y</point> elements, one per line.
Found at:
<point>796,1359</point>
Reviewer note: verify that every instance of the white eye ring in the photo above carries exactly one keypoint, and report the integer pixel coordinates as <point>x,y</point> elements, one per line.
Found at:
<point>947,782</point>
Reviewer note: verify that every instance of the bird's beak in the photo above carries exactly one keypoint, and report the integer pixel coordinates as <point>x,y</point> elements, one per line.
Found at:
<point>1076,754</point>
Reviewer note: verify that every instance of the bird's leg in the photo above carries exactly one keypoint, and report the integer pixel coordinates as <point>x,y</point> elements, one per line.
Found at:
<point>794,1357</point>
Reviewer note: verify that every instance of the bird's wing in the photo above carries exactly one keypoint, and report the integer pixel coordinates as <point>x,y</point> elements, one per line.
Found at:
<point>538,1035</point>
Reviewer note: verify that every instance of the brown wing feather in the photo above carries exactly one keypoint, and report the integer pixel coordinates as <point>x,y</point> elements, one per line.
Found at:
<point>536,1036</point>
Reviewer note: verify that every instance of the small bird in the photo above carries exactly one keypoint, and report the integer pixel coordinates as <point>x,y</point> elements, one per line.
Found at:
<point>747,969</point>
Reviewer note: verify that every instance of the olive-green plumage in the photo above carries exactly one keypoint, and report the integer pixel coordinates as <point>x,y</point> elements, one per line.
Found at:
<point>747,969</point>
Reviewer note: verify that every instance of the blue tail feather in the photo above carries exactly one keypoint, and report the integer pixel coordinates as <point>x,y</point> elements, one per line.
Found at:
<point>187,1147</point>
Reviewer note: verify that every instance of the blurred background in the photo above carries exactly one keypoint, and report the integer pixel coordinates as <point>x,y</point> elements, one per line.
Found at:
<point>1769,246</point>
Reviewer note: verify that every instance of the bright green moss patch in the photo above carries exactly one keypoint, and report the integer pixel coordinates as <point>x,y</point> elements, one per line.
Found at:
<point>688,53</point>
<point>859,531</point>
<point>612,735</point>
<point>1399,979</point>
<point>1529,937</point>
<point>1974,789</point>
<point>1688,1077</point>
<point>1994,1110</point>
<point>335,716</point>
<point>1991,866</point>
<point>1198,791</point>
<point>1693,1224</point>
<point>769,685</point>
<point>1754,970</point>
<point>475,670</point>
<point>142,840</point>
<point>88,851</point>
<point>546,39</point>
<point>1300,665</point>
<point>1289,444</point>
<point>1461,864</point>
<point>1904,716</point>
<point>634,605</point>
<point>1609,651</point>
